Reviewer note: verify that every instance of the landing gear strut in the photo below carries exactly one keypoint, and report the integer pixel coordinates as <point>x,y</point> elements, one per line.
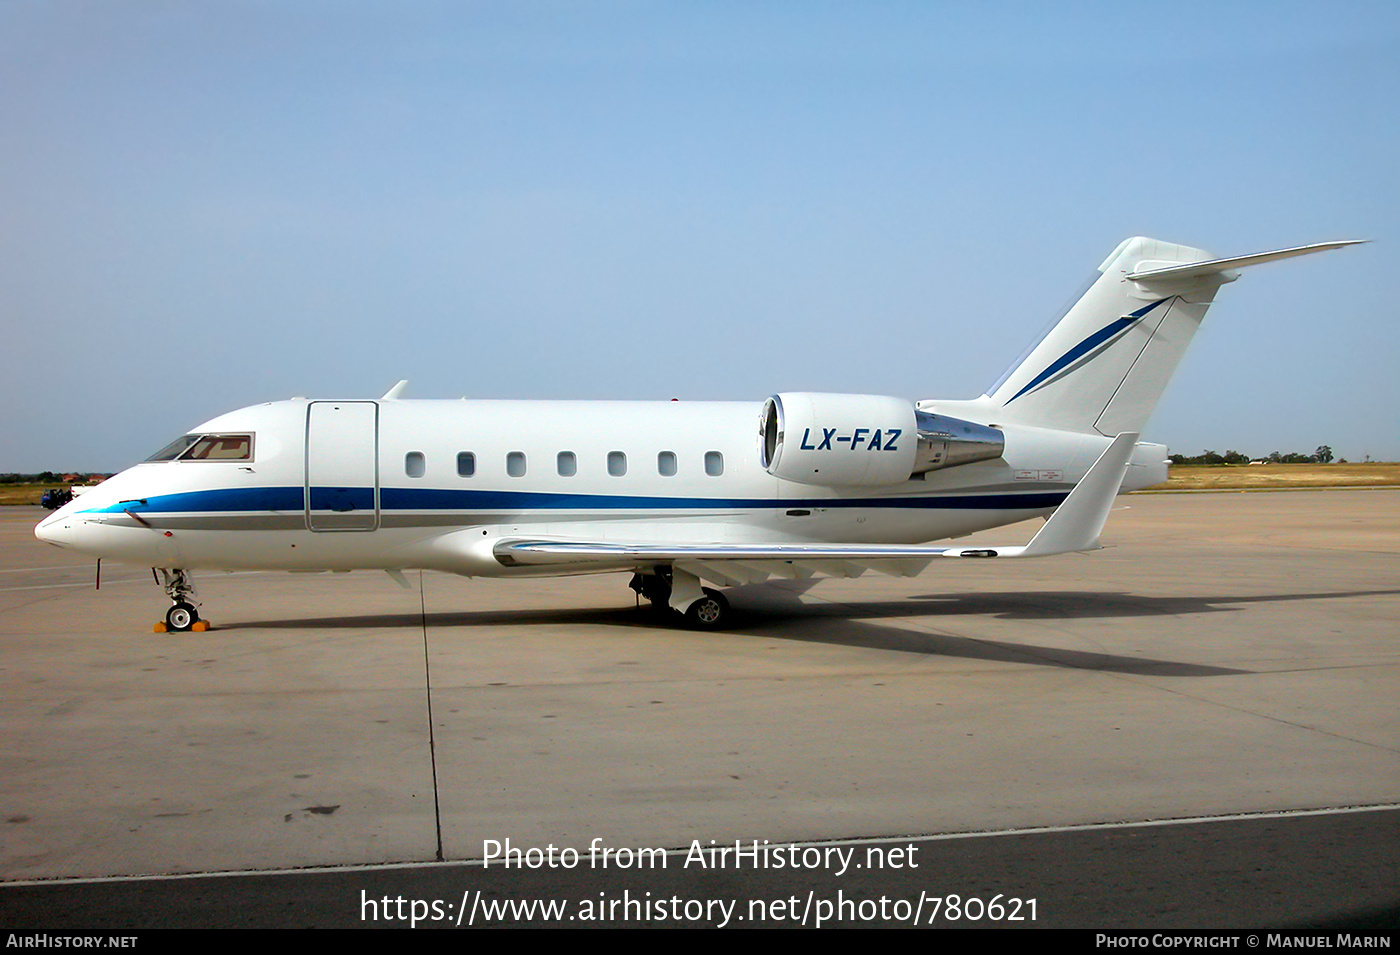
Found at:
<point>179,587</point>
<point>654,587</point>
<point>702,608</point>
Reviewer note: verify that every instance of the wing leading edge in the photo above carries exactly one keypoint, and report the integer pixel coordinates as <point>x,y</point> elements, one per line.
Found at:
<point>1074,526</point>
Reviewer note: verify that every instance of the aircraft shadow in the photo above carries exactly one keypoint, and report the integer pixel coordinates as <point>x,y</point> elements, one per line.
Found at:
<point>1031,605</point>
<point>1061,605</point>
<point>830,626</point>
<point>774,610</point>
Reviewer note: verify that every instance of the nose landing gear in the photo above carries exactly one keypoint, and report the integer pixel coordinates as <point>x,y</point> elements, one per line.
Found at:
<point>182,617</point>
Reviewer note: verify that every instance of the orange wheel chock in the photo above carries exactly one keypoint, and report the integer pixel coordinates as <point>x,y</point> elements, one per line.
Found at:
<point>200,626</point>
<point>160,628</point>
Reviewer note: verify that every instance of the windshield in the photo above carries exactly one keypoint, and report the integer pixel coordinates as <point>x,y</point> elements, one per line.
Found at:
<point>207,447</point>
<point>172,450</point>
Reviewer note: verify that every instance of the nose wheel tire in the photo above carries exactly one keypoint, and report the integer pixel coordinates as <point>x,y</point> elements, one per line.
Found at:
<point>710,612</point>
<point>181,617</point>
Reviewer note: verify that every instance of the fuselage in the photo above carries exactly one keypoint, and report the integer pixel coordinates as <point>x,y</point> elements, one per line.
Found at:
<point>396,484</point>
<point>678,492</point>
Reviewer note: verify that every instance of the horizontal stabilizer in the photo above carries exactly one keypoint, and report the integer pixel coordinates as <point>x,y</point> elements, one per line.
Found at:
<point>1216,266</point>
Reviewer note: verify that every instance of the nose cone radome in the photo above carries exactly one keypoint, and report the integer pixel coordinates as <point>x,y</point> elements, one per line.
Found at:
<point>56,528</point>
<point>63,525</point>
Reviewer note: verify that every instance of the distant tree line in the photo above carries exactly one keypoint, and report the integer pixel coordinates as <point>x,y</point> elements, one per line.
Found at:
<point>1323,455</point>
<point>49,477</point>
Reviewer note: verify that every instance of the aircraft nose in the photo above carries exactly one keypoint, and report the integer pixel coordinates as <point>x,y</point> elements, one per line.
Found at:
<point>55,529</point>
<point>61,527</point>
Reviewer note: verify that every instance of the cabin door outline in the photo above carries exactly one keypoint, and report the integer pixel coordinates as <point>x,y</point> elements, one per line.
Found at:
<point>342,466</point>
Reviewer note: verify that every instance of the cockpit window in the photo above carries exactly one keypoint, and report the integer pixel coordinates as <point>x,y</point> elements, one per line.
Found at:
<point>207,447</point>
<point>221,447</point>
<point>174,449</point>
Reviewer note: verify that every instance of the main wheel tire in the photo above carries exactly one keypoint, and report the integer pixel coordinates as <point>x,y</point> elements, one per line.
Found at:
<point>181,617</point>
<point>710,612</point>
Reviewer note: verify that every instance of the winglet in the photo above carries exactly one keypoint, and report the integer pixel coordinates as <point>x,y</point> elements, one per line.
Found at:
<point>395,391</point>
<point>1078,522</point>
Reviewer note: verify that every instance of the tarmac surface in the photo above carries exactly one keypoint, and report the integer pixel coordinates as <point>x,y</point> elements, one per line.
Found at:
<point>1229,653</point>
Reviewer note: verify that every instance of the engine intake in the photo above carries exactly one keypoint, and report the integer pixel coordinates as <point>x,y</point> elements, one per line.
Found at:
<point>864,440</point>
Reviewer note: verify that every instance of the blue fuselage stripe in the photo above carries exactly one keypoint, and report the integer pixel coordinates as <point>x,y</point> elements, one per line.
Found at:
<point>1087,345</point>
<point>293,499</point>
<point>230,499</point>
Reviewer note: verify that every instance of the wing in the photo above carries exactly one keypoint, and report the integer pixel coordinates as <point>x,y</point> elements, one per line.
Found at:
<point>1075,526</point>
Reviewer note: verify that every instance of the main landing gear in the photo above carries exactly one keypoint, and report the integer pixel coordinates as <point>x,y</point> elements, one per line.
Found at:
<point>179,587</point>
<point>710,612</point>
<point>669,590</point>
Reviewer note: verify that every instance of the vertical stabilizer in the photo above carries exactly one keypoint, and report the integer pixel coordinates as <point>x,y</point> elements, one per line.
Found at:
<point>1104,366</point>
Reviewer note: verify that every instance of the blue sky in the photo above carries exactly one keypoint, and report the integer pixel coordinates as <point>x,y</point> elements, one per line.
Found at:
<point>209,205</point>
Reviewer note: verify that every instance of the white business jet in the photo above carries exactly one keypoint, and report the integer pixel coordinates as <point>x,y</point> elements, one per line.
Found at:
<point>675,492</point>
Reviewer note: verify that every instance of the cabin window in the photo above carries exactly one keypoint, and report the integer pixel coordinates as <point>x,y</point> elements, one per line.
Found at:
<point>714,463</point>
<point>515,464</point>
<point>568,464</point>
<point>207,447</point>
<point>666,464</point>
<point>414,464</point>
<point>617,463</point>
<point>466,463</point>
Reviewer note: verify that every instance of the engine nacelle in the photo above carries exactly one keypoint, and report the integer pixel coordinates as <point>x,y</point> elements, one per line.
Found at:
<point>864,440</point>
<point>838,440</point>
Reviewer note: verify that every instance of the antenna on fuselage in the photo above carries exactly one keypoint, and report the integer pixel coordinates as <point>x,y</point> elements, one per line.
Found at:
<point>395,391</point>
